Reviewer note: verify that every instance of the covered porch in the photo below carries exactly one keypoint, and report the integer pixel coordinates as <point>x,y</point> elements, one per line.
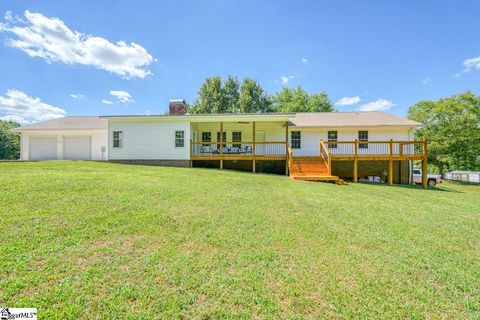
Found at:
<point>240,138</point>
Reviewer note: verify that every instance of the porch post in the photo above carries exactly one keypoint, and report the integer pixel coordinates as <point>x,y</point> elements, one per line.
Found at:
<point>221,145</point>
<point>390,162</point>
<point>286,149</point>
<point>191,151</point>
<point>254,145</point>
<point>424,165</point>
<point>355,161</point>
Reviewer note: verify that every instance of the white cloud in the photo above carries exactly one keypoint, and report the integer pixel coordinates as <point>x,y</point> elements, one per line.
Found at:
<point>457,75</point>
<point>304,60</point>
<point>105,101</point>
<point>348,101</point>
<point>472,63</point>
<point>286,79</point>
<point>20,107</point>
<point>122,96</point>
<point>77,95</point>
<point>377,105</point>
<point>426,80</point>
<point>51,40</point>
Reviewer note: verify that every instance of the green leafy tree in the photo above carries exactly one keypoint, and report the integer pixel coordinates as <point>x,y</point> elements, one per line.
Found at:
<point>211,97</point>
<point>231,94</point>
<point>9,141</point>
<point>298,100</point>
<point>253,98</point>
<point>452,128</point>
<point>216,96</point>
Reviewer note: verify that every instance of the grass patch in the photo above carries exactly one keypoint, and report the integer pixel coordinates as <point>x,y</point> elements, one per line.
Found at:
<point>84,240</point>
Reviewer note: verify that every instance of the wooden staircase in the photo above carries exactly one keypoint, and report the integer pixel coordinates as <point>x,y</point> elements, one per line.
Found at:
<point>312,168</point>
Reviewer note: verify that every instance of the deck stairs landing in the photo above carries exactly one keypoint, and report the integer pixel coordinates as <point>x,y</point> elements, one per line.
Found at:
<point>313,168</point>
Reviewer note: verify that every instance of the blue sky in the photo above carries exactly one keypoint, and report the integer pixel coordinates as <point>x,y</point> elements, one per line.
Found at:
<point>63,57</point>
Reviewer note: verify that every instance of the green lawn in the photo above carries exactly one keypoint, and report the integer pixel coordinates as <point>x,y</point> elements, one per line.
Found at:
<point>105,241</point>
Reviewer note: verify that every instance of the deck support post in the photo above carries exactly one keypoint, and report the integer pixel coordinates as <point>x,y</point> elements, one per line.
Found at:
<point>191,152</point>
<point>424,165</point>
<point>400,162</point>
<point>221,145</point>
<point>254,146</point>
<point>355,161</point>
<point>286,149</point>
<point>390,162</point>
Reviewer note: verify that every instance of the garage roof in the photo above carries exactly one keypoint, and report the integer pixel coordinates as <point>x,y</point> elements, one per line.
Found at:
<point>68,123</point>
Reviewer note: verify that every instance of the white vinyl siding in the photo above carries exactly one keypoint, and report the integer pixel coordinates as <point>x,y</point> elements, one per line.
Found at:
<point>148,139</point>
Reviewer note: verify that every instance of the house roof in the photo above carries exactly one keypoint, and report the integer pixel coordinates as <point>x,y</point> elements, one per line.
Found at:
<point>301,119</point>
<point>350,119</point>
<point>68,123</point>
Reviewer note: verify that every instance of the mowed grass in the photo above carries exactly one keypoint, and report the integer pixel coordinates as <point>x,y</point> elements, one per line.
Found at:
<point>86,240</point>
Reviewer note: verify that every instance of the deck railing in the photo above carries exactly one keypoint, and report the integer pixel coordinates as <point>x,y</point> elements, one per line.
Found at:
<point>239,148</point>
<point>325,154</point>
<point>289,159</point>
<point>376,148</point>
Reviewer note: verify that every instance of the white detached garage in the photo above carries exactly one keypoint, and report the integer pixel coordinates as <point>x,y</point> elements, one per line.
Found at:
<point>69,138</point>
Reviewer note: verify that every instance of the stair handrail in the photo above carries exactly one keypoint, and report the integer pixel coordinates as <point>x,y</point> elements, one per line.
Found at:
<point>325,154</point>
<point>289,159</point>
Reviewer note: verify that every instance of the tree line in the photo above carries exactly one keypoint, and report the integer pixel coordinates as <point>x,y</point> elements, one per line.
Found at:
<point>248,96</point>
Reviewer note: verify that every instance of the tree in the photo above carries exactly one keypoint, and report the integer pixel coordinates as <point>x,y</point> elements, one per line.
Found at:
<point>253,98</point>
<point>452,128</point>
<point>216,96</point>
<point>231,94</point>
<point>9,141</point>
<point>211,97</point>
<point>298,100</point>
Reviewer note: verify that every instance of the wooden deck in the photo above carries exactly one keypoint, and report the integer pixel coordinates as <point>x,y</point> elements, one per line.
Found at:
<point>319,168</point>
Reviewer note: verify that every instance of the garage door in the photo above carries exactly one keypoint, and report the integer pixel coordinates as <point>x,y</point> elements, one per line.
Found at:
<point>43,148</point>
<point>77,148</point>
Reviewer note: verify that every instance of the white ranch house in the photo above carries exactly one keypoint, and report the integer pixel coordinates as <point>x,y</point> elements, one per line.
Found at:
<point>307,146</point>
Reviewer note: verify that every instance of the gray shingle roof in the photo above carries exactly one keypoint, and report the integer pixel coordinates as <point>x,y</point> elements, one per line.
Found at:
<point>350,119</point>
<point>68,123</point>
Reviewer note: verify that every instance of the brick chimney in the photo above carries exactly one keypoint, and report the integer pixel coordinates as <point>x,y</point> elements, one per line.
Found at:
<point>178,107</point>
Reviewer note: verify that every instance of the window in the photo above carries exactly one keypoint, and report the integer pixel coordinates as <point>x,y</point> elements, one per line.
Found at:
<point>224,139</point>
<point>363,136</point>
<point>237,137</point>
<point>416,172</point>
<point>117,139</point>
<point>332,137</point>
<point>179,139</point>
<point>206,136</point>
<point>296,139</point>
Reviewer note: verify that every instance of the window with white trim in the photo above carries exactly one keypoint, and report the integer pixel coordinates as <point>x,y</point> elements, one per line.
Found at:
<point>332,138</point>
<point>296,139</point>
<point>117,139</point>
<point>179,139</point>
<point>363,136</point>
